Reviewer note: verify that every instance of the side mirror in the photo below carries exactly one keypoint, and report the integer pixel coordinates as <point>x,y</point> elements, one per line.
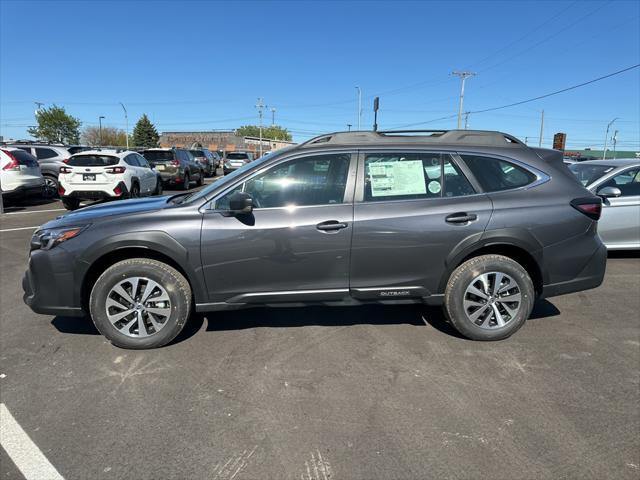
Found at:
<point>609,192</point>
<point>240,203</point>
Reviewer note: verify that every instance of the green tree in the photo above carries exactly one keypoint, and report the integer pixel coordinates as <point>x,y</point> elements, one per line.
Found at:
<point>145,133</point>
<point>55,125</point>
<point>273,133</point>
<point>110,136</point>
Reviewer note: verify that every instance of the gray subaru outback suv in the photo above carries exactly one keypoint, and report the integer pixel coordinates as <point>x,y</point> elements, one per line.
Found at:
<point>475,221</point>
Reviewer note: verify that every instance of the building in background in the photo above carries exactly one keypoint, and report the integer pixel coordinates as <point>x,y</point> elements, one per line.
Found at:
<point>226,141</point>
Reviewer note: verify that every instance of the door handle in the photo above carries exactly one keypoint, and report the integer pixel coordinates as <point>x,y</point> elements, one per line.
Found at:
<point>331,226</point>
<point>461,218</point>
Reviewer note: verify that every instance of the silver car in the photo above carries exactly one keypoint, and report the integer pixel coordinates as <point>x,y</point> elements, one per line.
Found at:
<point>618,183</point>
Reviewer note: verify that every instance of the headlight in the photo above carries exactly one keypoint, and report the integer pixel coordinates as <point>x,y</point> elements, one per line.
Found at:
<point>48,238</point>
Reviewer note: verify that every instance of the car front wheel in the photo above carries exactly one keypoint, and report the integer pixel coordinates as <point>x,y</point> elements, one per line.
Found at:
<point>489,297</point>
<point>140,303</point>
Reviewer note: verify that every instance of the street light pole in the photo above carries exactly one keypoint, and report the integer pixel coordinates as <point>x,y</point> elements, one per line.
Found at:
<point>349,126</point>
<point>359,107</point>
<point>273,117</point>
<point>615,141</point>
<point>100,127</point>
<point>606,137</point>
<point>463,76</point>
<point>126,122</point>
<point>260,105</point>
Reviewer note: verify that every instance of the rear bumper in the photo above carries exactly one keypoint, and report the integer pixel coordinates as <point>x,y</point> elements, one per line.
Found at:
<point>591,276</point>
<point>102,192</point>
<point>25,191</point>
<point>48,284</point>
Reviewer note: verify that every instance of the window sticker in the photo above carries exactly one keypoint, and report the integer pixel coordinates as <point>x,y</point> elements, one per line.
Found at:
<point>397,178</point>
<point>434,187</point>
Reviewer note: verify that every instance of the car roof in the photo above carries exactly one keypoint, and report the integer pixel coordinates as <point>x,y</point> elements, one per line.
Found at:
<point>614,162</point>
<point>105,151</point>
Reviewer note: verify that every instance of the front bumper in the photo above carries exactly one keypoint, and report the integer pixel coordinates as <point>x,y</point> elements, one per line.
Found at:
<point>590,277</point>
<point>49,285</point>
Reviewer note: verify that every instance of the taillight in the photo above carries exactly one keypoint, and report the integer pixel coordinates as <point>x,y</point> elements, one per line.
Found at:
<point>117,191</point>
<point>115,169</point>
<point>175,162</point>
<point>13,164</point>
<point>61,190</point>
<point>590,206</point>
<point>65,170</point>
<point>66,160</point>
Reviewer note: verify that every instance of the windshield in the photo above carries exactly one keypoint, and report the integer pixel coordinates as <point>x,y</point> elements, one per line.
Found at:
<point>158,155</point>
<point>589,173</point>
<point>237,156</point>
<point>92,161</point>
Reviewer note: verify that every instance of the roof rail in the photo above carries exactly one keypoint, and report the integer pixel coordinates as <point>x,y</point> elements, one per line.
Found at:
<point>451,137</point>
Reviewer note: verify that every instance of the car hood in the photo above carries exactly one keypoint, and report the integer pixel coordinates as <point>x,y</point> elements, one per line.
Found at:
<point>122,207</point>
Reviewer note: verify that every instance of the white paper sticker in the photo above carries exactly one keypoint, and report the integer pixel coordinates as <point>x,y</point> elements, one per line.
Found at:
<point>397,178</point>
<point>434,187</point>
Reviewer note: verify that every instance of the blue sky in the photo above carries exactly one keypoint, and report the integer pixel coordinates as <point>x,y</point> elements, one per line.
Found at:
<point>197,65</point>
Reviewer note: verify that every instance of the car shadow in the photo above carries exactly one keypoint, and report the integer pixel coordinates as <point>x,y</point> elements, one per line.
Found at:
<point>20,204</point>
<point>291,317</point>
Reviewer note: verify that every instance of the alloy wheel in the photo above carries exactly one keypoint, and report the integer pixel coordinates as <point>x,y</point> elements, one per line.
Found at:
<point>492,300</point>
<point>138,307</point>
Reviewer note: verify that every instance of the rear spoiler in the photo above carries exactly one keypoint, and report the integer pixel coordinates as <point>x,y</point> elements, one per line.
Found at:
<point>555,158</point>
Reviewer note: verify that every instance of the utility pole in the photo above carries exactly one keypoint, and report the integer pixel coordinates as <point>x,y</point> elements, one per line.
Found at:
<point>100,123</point>
<point>273,117</point>
<point>615,140</point>
<point>606,137</point>
<point>525,140</point>
<point>126,122</point>
<point>466,121</point>
<point>260,106</point>
<point>541,128</point>
<point>463,76</point>
<point>349,126</point>
<point>359,107</point>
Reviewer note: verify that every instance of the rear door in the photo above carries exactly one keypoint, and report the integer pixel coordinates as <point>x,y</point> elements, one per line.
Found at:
<point>296,244</point>
<point>619,225</point>
<point>147,173</point>
<point>412,208</point>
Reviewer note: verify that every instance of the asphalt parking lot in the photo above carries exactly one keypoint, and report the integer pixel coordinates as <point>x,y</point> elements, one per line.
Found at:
<point>327,393</point>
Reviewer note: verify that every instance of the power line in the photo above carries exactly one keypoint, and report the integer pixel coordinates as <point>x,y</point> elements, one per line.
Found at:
<point>528,100</point>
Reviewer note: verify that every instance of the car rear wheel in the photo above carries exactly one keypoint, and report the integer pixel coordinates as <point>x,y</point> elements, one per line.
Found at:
<point>158,190</point>
<point>71,203</point>
<point>135,191</point>
<point>187,181</point>
<point>200,178</point>
<point>140,303</point>
<point>50,186</point>
<point>489,297</point>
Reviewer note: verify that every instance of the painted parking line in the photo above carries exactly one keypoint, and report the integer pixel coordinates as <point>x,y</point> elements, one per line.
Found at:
<point>16,229</point>
<point>36,211</point>
<point>25,454</point>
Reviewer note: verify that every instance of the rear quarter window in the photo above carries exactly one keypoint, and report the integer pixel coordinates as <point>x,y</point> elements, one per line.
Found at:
<point>494,174</point>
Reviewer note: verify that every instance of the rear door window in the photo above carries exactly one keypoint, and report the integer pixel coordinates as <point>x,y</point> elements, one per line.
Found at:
<point>494,174</point>
<point>44,153</point>
<point>92,161</point>
<point>412,176</point>
<point>132,160</point>
<point>24,158</point>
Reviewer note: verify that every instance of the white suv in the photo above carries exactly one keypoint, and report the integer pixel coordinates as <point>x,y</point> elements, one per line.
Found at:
<point>106,174</point>
<point>19,174</point>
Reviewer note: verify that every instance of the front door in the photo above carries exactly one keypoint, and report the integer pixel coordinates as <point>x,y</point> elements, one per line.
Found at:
<point>619,225</point>
<point>295,245</point>
<point>412,209</point>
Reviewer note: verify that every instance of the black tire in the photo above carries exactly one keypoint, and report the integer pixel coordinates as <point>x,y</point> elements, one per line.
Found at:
<point>158,190</point>
<point>135,190</point>
<point>200,181</point>
<point>71,203</point>
<point>465,274</point>
<point>51,186</point>
<point>173,282</point>
<point>187,181</point>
